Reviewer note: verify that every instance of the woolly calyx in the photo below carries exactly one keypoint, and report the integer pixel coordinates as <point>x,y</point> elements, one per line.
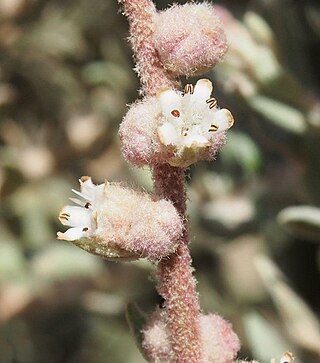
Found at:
<point>219,343</point>
<point>117,223</point>
<point>189,38</point>
<point>178,128</point>
<point>139,141</point>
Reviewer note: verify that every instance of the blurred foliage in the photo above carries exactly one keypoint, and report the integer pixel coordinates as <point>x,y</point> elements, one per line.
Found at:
<point>65,79</point>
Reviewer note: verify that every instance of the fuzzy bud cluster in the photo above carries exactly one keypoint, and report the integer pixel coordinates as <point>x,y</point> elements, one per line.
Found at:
<point>219,343</point>
<point>189,38</point>
<point>178,128</point>
<point>117,223</point>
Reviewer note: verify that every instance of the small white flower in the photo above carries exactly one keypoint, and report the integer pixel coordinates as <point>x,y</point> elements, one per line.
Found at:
<point>84,220</point>
<point>192,121</point>
<point>81,218</point>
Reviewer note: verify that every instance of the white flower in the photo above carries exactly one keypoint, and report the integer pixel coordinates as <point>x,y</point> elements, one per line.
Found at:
<point>81,218</point>
<point>192,121</point>
<point>84,220</point>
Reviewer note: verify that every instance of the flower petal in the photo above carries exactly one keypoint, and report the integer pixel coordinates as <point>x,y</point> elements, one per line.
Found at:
<point>223,119</point>
<point>87,187</point>
<point>168,134</point>
<point>73,234</point>
<point>75,216</point>
<point>170,102</point>
<point>202,91</point>
<point>89,191</point>
<point>78,201</point>
<point>195,141</point>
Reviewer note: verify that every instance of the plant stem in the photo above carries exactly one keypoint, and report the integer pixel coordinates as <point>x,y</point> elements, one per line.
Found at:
<point>176,283</point>
<point>140,14</point>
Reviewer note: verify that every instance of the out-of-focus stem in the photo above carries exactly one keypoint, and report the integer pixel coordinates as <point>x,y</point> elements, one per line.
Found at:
<point>176,283</point>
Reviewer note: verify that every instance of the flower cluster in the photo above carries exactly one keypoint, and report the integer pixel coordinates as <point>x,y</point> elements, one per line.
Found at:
<point>189,38</point>
<point>119,223</point>
<point>175,127</point>
<point>220,344</point>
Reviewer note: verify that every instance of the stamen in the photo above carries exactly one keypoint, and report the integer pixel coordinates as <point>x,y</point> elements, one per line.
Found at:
<point>87,205</point>
<point>85,229</point>
<point>188,88</point>
<point>65,214</point>
<point>212,102</point>
<point>213,128</point>
<point>64,217</point>
<point>184,131</point>
<point>175,113</point>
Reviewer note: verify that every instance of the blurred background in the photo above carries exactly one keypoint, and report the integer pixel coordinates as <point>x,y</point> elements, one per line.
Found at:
<point>65,79</point>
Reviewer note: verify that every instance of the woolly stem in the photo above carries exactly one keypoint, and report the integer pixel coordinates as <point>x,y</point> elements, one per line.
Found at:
<point>176,283</point>
<point>140,14</point>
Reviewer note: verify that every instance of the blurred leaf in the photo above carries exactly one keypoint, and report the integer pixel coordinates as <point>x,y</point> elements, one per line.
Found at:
<point>136,320</point>
<point>300,322</point>
<point>265,341</point>
<point>280,114</point>
<point>241,278</point>
<point>109,73</point>
<point>55,35</point>
<point>12,262</point>
<point>241,149</point>
<point>302,221</point>
<point>259,28</point>
<point>313,15</point>
<point>63,261</point>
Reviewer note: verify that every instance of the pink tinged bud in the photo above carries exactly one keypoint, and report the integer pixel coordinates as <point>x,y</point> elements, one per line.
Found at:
<point>178,128</point>
<point>220,344</point>
<point>137,132</point>
<point>156,342</point>
<point>118,223</point>
<point>189,38</point>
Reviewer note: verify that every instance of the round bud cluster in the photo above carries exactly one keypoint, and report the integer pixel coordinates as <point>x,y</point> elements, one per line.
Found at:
<point>189,39</point>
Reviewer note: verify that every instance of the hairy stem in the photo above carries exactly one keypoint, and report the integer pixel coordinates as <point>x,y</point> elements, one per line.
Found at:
<point>176,283</point>
<point>140,14</point>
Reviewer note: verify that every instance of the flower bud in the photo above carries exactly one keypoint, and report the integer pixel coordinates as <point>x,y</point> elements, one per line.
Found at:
<point>118,223</point>
<point>178,128</point>
<point>189,38</point>
<point>219,343</point>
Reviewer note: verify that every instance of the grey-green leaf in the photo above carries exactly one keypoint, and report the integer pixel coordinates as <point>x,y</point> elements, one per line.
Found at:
<point>136,319</point>
<point>303,221</point>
